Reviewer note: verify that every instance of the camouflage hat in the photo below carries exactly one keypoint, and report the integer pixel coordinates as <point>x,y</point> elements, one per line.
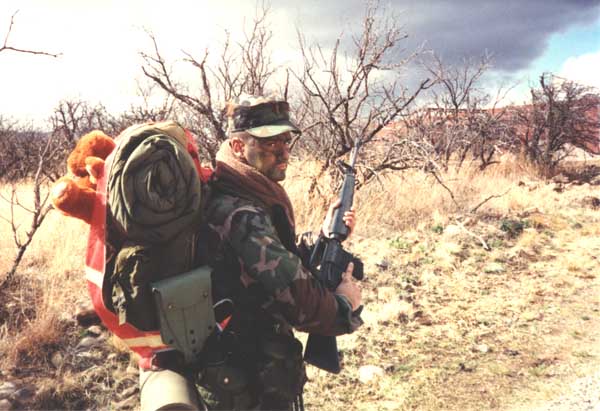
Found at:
<point>260,116</point>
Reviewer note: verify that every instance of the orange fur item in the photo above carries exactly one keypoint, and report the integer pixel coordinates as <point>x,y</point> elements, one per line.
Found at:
<point>94,167</point>
<point>73,200</point>
<point>93,144</point>
<point>74,193</point>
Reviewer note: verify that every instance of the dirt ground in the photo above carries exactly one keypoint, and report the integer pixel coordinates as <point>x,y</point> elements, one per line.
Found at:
<point>497,309</point>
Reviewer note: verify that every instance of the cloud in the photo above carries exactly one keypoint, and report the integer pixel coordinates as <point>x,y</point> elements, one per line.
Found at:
<point>100,40</point>
<point>582,69</point>
<point>514,31</point>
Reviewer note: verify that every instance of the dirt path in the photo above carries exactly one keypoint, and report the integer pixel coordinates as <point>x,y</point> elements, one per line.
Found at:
<point>582,395</point>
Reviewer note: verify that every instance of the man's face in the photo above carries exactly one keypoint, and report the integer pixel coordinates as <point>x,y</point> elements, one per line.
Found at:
<point>269,155</point>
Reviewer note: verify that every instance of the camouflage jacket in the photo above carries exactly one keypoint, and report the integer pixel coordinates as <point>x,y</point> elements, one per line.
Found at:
<point>258,264</point>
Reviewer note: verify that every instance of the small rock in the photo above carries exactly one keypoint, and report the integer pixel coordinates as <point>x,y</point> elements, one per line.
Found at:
<point>493,268</point>
<point>87,343</point>
<point>561,179</point>
<point>128,392</point>
<point>369,373</point>
<point>84,354</point>
<point>383,264</point>
<point>5,405</point>
<point>531,316</point>
<point>386,293</point>
<point>86,315</point>
<point>57,359</point>
<point>126,404</point>
<point>94,330</point>
<point>466,367</point>
<point>482,348</point>
<point>389,312</point>
<point>416,314</point>
<point>452,231</point>
<point>22,394</point>
<point>404,311</point>
<point>425,320</point>
<point>591,202</point>
<point>7,389</point>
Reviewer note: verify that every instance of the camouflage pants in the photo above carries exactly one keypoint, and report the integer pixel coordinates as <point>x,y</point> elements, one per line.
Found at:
<point>268,376</point>
<point>274,383</point>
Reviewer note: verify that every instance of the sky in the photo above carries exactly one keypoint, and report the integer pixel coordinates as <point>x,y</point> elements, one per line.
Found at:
<point>100,41</point>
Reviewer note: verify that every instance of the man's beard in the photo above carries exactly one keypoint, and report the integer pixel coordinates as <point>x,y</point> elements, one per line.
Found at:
<point>277,173</point>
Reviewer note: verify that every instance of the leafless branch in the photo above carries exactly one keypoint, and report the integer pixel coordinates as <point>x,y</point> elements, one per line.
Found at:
<point>7,47</point>
<point>243,67</point>
<point>37,213</point>
<point>356,93</point>
<point>474,209</point>
<point>441,182</point>
<point>484,244</point>
<point>459,122</point>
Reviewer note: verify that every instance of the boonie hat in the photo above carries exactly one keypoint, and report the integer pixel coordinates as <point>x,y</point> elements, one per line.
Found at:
<point>260,116</point>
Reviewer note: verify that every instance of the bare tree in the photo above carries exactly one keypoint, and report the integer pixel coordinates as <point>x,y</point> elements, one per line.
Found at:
<point>73,118</point>
<point>148,110</point>
<point>243,67</point>
<point>559,118</point>
<point>7,47</point>
<point>10,150</point>
<point>37,211</point>
<point>70,120</point>
<point>40,191</point>
<point>19,148</point>
<point>353,96</point>
<point>463,119</point>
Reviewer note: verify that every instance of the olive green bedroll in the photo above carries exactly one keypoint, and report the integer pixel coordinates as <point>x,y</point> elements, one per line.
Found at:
<point>153,187</point>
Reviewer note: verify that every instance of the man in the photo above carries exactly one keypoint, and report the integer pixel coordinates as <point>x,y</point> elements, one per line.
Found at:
<point>260,271</point>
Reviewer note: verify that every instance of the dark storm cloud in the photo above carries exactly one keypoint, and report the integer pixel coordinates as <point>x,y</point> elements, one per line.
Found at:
<point>514,31</point>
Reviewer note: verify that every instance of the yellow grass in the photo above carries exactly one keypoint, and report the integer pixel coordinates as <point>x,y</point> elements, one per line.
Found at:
<point>457,327</point>
<point>452,325</point>
<point>50,277</point>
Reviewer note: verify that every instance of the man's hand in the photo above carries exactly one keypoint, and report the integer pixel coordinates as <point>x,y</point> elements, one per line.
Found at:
<point>349,219</point>
<point>349,288</point>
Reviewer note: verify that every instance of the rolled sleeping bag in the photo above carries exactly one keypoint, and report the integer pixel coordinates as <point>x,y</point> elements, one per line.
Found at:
<point>154,191</point>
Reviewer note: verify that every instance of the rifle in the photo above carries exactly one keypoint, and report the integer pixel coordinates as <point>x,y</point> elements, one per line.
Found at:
<point>328,262</point>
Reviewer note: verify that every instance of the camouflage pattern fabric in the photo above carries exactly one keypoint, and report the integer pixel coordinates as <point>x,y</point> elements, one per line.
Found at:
<point>247,250</point>
<point>260,116</point>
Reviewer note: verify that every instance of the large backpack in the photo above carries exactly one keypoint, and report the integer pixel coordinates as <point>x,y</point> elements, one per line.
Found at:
<point>146,218</point>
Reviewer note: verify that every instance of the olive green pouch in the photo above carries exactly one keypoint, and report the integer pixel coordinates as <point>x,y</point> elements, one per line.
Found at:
<point>185,311</point>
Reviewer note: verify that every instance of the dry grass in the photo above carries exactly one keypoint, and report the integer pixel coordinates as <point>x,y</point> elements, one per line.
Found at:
<point>38,334</point>
<point>453,326</point>
<point>48,287</point>
<point>397,202</point>
<point>456,327</point>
